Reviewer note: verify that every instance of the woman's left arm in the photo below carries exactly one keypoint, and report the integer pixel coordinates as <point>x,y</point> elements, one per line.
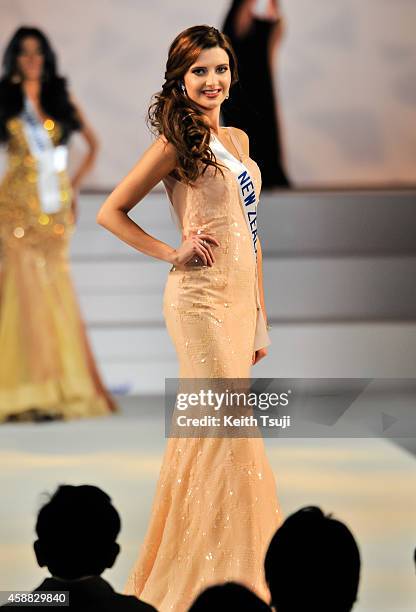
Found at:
<point>260,278</point>
<point>89,158</point>
<point>91,140</point>
<point>262,352</point>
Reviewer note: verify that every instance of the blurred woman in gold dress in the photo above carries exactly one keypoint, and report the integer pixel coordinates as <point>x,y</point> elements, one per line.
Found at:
<point>47,369</point>
<point>215,508</point>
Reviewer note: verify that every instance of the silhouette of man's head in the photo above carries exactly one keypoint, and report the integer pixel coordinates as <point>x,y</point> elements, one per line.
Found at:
<point>228,596</point>
<point>77,531</point>
<point>312,563</point>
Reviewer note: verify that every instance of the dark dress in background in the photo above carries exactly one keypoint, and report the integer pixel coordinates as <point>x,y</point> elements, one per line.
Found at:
<point>252,105</point>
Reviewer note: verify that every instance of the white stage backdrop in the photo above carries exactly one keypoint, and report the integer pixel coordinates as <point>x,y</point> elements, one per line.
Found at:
<point>345,78</point>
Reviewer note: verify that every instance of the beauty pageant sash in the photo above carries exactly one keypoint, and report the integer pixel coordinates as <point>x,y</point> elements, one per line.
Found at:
<point>50,159</point>
<point>245,185</point>
<point>248,200</point>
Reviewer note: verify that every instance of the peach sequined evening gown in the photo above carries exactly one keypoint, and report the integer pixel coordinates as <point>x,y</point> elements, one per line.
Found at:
<point>215,508</point>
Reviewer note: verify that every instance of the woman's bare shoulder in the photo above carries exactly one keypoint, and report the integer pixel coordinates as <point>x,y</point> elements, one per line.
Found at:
<point>164,147</point>
<point>243,138</point>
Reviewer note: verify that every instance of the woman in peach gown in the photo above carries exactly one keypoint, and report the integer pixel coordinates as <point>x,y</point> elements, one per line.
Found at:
<point>215,508</point>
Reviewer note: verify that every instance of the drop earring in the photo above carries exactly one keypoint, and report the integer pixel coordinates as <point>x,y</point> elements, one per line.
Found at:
<point>183,90</point>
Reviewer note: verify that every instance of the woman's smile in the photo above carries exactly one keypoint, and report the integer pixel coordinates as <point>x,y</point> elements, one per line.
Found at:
<point>211,93</point>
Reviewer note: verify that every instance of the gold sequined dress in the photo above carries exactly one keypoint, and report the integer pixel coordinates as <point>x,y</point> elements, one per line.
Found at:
<point>215,508</point>
<point>46,364</point>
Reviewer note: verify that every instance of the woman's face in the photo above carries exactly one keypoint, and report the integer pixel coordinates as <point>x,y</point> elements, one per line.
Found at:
<point>30,59</point>
<point>208,80</point>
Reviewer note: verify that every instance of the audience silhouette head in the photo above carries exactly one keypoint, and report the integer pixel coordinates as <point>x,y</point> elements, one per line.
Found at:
<point>77,531</point>
<point>228,596</point>
<point>312,563</point>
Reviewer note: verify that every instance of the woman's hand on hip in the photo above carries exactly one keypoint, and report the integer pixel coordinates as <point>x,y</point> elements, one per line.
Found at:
<point>197,245</point>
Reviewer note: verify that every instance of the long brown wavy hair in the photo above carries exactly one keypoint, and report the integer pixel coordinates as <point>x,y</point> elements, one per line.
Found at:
<point>175,115</point>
